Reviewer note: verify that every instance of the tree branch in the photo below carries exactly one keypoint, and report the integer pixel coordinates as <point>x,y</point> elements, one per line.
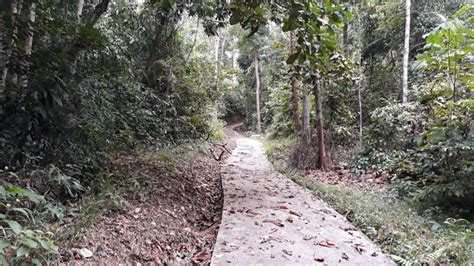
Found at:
<point>98,11</point>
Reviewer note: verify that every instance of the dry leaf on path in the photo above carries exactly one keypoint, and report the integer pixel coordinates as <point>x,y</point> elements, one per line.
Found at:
<point>327,244</point>
<point>202,256</point>
<point>275,222</point>
<point>287,252</point>
<point>252,213</point>
<point>318,258</point>
<point>359,247</point>
<point>349,229</point>
<point>299,214</point>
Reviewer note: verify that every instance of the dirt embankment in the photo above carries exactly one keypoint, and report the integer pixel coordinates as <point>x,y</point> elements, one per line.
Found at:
<point>173,218</point>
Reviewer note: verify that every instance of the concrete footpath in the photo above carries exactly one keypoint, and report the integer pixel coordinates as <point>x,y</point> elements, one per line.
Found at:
<point>269,220</point>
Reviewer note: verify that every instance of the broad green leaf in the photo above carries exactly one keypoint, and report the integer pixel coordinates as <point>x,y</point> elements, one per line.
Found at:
<point>3,245</point>
<point>16,190</point>
<point>23,211</point>
<point>3,192</point>
<point>259,11</point>
<point>48,245</point>
<point>463,10</point>
<point>21,252</point>
<point>15,226</point>
<point>28,242</point>
<point>28,233</point>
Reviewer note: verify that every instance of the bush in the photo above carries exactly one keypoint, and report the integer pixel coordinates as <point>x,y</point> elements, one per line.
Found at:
<point>440,169</point>
<point>393,130</point>
<point>23,243</point>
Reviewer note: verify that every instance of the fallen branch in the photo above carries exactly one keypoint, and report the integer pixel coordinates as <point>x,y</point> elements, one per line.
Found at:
<point>224,149</point>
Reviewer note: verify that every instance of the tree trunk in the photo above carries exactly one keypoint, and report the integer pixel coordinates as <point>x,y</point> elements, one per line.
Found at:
<point>218,75</point>
<point>14,15</point>
<point>99,9</point>
<point>359,88</point>
<point>306,116</point>
<point>406,52</point>
<point>80,7</point>
<point>28,45</point>
<point>323,160</point>
<point>234,59</point>
<point>257,93</point>
<point>3,61</point>
<point>345,37</point>
<point>223,57</point>
<point>294,91</point>
<point>218,62</point>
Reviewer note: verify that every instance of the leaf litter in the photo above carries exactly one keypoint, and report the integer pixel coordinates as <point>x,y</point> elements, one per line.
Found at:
<point>174,220</point>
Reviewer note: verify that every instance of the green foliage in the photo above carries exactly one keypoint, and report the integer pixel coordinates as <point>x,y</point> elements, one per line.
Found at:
<point>429,151</point>
<point>95,88</point>
<point>19,244</point>
<point>393,130</point>
<point>428,144</point>
<point>280,105</point>
<point>449,49</point>
<point>440,169</point>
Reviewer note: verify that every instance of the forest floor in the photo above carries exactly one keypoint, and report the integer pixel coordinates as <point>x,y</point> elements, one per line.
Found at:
<point>270,220</point>
<point>170,215</point>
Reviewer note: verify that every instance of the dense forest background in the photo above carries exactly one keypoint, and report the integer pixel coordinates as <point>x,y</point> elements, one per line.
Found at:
<point>84,82</point>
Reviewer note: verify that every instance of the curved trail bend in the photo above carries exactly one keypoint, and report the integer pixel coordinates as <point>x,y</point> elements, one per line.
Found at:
<point>269,220</point>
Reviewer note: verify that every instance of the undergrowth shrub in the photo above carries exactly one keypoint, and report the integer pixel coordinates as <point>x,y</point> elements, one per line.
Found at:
<point>25,240</point>
<point>392,131</point>
<point>427,147</point>
<point>440,169</point>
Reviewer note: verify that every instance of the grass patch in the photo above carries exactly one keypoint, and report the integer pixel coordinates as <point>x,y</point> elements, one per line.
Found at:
<point>408,236</point>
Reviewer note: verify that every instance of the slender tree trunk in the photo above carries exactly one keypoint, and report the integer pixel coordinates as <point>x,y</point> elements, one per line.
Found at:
<point>80,7</point>
<point>257,92</point>
<point>218,74</point>
<point>345,37</point>
<point>28,45</point>
<point>196,33</point>
<point>218,62</point>
<point>294,90</point>
<point>99,9</point>
<point>359,98</point>
<point>223,57</point>
<point>234,59</point>
<point>14,15</point>
<point>306,116</point>
<point>323,160</point>
<point>406,52</point>
<point>3,61</point>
